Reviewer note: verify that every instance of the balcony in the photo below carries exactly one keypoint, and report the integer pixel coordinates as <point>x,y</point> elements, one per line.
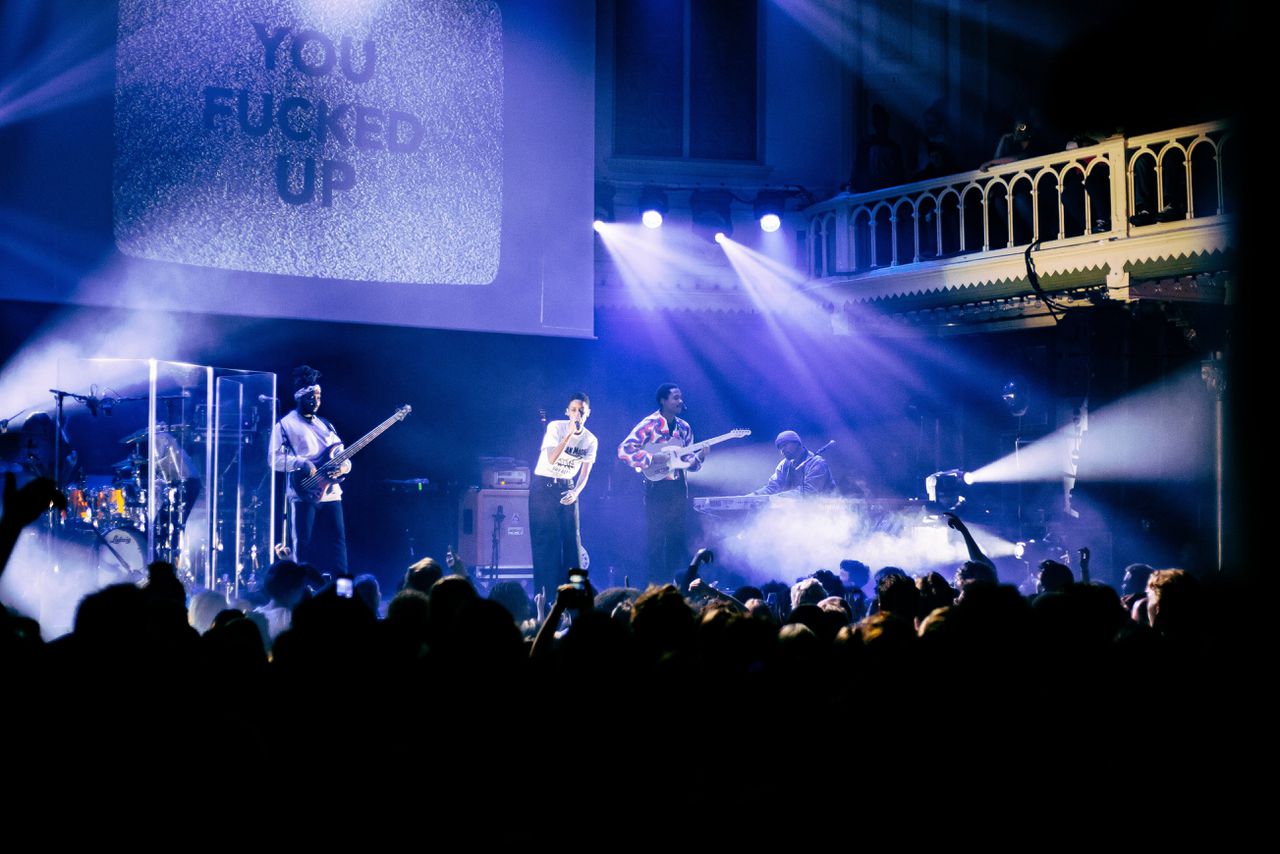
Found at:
<point>949,253</point>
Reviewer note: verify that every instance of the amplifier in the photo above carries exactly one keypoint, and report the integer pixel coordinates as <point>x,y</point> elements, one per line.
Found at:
<point>476,521</point>
<point>503,473</point>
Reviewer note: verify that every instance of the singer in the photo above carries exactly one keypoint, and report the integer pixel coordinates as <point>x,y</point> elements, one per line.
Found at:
<point>568,451</point>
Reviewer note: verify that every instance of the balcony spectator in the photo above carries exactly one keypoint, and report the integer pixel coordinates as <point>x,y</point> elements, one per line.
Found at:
<point>878,161</point>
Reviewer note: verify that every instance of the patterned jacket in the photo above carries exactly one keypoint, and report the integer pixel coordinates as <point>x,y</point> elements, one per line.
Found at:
<point>653,430</point>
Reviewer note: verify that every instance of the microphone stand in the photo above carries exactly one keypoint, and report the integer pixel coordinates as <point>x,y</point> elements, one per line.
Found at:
<point>496,541</point>
<point>287,447</point>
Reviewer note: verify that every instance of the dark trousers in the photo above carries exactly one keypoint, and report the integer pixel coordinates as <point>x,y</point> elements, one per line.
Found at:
<point>319,535</point>
<point>666,509</point>
<point>556,538</point>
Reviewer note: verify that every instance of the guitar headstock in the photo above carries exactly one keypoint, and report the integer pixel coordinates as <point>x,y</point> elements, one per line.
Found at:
<point>740,433</point>
<point>403,412</point>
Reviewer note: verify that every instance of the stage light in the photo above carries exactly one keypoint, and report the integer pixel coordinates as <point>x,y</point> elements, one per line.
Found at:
<point>653,206</point>
<point>944,488</point>
<point>712,212</point>
<point>769,207</point>
<point>720,238</point>
<point>595,226</point>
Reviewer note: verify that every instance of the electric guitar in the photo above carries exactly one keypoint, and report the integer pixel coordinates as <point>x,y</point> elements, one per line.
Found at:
<point>331,465</point>
<point>669,458</point>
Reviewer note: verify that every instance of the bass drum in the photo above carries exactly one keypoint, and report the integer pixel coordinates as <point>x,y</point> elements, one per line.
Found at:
<point>123,552</point>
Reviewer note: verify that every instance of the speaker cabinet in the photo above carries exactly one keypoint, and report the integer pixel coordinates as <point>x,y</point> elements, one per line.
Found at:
<point>476,527</point>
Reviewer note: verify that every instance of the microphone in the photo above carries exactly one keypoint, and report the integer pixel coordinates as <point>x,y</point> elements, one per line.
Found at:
<point>266,398</point>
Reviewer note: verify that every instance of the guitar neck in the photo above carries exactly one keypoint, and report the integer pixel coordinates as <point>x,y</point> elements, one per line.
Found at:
<point>707,443</point>
<point>355,448</point>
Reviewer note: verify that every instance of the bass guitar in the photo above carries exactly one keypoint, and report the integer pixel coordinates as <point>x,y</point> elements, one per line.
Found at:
<point>331,465</point>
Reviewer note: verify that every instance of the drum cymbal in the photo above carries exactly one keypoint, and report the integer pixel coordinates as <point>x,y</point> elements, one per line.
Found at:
<point>161,427</point>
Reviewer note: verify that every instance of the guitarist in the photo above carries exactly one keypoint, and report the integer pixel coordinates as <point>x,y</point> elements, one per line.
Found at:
<point>666,501</point>
<point>298,442</point>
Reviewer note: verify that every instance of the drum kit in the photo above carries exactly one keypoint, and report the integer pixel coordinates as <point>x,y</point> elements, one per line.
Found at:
<point>113,509</point>
<point>121,515</point>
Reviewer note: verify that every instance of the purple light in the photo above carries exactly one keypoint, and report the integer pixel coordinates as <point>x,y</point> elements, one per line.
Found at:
<point>770,222</point>
<point>651,219</point>
<point>720,238</point>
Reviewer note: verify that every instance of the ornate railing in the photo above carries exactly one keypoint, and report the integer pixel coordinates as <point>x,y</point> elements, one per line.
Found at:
<point>1120,186</point>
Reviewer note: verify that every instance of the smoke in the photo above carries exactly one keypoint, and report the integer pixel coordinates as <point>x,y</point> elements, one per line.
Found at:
<point>736,468</point>
<point>47,585</point>
<point>792,538</point>
<point>51,357</point>
<point>1162,432</point>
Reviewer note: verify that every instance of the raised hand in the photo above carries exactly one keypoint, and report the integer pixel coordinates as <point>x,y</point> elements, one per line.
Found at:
<point>26,505</point>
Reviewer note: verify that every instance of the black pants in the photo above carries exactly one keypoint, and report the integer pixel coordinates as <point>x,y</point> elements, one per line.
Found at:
<point>319,535</point>
<point>666,509</point>
<point>556,538</point>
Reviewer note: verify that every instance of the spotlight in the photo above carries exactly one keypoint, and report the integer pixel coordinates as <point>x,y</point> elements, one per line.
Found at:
<point>944,488</point>
<point>769,207</point>
<point>720,238</point>
<point>711,211</point>
<point>653,206</point>
<point>1019,549</point>
<point>604,201</point>
<point>597,224</point>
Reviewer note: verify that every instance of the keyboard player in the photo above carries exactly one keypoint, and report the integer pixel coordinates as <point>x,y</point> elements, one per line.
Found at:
<point>800,472</point>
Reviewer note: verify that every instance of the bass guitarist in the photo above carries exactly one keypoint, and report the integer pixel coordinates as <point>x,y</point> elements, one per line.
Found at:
<point>299,442</point>
<point>666,500</point>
